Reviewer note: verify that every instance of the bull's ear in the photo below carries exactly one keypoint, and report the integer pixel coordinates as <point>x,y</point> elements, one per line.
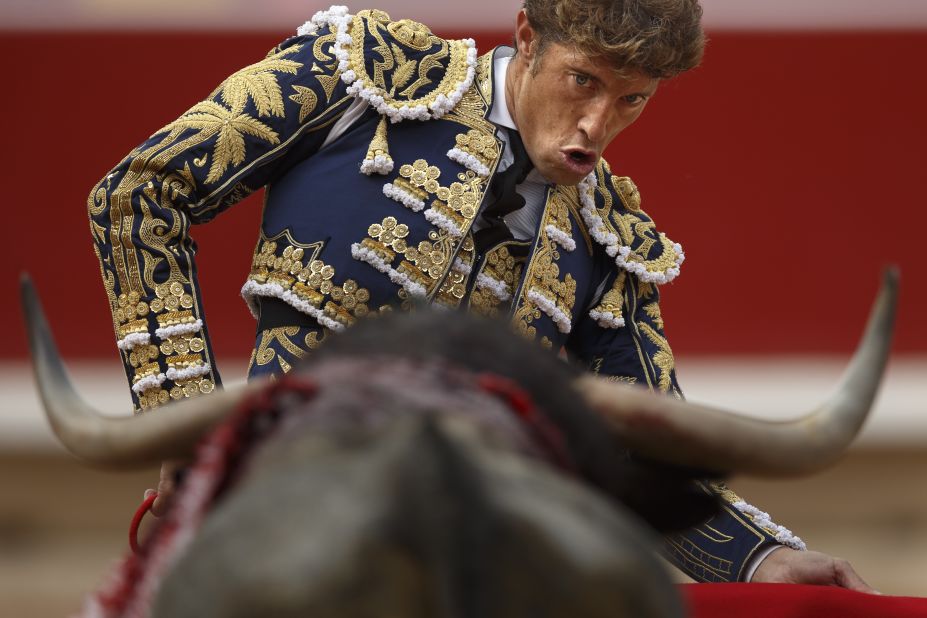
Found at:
<point>702,436</point>
<point>168,433</point>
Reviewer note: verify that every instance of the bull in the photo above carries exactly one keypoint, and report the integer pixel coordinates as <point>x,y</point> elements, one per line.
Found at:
<point>434,465</point>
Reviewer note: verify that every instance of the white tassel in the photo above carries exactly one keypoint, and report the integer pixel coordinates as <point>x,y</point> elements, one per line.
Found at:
<point>561,319</point>
<point>560,237</point>
<point>612,245</point>
<point>359,252</point>
<point>403,197</point>
<point>179,329</point>
<point>148,382</point>
<point>445,223</point>
<point>378,165</point>
<point>187,373</point>
<point>781,533</point>
<point>252,288</point>
<point>133,340</point>
<point>461,267</point>
<point>498,288</point>
<point>606,319</point>
<point>468,161</point>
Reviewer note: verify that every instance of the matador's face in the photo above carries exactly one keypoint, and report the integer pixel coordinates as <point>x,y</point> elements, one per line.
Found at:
<point>567,106</point>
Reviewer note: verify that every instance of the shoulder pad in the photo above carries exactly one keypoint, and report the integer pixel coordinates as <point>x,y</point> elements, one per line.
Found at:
<point>612,212</point>
<point>399,67</point>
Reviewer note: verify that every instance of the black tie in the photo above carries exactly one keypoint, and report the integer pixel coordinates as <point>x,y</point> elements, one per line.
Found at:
<point>502,198</point>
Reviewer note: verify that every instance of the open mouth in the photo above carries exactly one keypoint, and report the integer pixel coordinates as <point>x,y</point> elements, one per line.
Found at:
<point>579,160</point>
<point>579,157</point>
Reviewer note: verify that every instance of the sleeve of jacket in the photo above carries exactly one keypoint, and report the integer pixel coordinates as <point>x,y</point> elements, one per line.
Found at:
<point>214,155</point>
<point>622,339</point>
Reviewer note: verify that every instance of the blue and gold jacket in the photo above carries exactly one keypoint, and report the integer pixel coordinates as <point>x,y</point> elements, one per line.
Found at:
<point>379,217</point>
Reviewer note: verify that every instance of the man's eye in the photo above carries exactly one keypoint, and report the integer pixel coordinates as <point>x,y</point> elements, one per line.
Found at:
<point>633,99</point>
<point>581,80</point>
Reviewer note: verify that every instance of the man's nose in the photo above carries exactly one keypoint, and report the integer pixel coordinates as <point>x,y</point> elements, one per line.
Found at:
<point>595,123</point>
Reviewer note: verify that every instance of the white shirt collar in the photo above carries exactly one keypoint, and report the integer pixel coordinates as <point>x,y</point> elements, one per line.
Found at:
<point>499,114</point>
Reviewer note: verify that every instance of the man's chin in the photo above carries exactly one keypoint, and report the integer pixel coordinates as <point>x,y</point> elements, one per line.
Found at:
<point>560,176</point>
<point>567,172</point>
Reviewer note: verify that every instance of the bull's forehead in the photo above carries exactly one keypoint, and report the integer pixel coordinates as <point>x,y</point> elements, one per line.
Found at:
<point>425,521</point>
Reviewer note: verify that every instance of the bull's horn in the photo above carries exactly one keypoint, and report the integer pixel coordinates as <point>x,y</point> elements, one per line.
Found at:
<point>145,439</point>
<point>709,438</point>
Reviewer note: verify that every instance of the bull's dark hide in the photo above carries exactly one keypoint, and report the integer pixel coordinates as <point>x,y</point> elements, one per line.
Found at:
<point>664,496</point>
<point>401,486</point>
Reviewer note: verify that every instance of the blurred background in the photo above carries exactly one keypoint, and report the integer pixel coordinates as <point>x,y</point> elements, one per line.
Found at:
<point>790,166</point>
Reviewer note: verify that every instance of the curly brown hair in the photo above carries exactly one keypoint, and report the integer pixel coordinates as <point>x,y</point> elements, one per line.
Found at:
<point>660,38</point>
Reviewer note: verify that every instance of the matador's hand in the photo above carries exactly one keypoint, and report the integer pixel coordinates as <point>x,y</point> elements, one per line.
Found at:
<point>167,484</point>
<point>788,566</point>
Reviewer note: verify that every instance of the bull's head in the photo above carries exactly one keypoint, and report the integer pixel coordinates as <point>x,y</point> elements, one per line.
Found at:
<point>444,514</point>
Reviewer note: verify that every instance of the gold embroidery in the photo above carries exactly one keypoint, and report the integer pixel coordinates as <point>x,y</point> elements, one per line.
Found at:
<point>307,100</point>
<point>379,147</point>
<point>454,287</point>
<point>501,266</point>
<point>141,212</point>
<point>390,233</point>
<point>627,191</point>
<point>566,202</point>
<point>653,312</point>
<point>298,270</point>
<point>405,69</point>
<point>724,492</point>
<point>484,77</point>
<point>264,353</point>
<point>431,259</point>
<point>411,34</point>
<point>231,125</point>
<point>713,534</point>
<point>393,70</point>
<point>622,379</point>
<point>347,302</point>
<point>428,261</point>
<point>613,300</point>
<point>646,291</point>
<point>258,82</point>
<point>479,144</point>
<point>425,263</point>
<point>701,564</point>
<point>663,358</point>
<point>328,80</point>
<point>419,179</point>
<point>632,226</point>
<point>543,277</point>
<point>313,341</point>
<point>462,196</point>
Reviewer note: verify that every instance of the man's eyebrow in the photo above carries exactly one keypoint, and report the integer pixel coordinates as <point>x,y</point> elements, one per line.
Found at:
<point>649,92</point>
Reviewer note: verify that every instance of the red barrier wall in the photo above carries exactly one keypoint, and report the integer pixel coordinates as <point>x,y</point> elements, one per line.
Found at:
<point>789,166</point>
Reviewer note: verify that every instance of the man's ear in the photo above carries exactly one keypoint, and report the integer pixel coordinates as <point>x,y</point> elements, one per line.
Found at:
<point>526,38</point>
